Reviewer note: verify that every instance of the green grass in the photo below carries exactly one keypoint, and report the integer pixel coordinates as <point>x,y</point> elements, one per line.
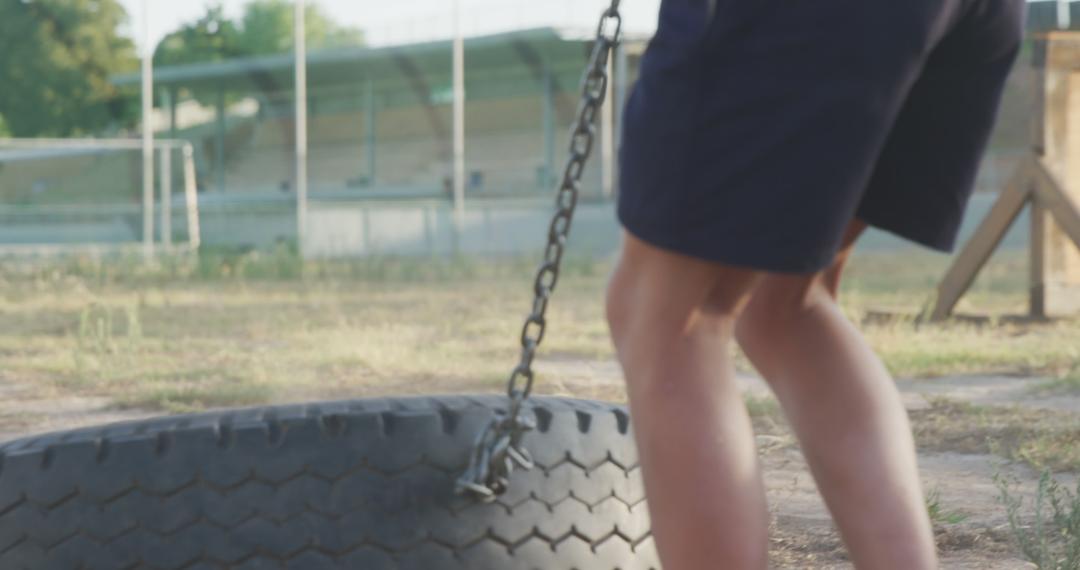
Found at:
<point>938,513</point>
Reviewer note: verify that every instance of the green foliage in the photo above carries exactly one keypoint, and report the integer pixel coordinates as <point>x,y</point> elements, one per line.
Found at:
<point>266,27</point>
<point>282,262</point>
<point>1052,540</point>
<point>938,513</point>
<point>56,57</point>
<point>212,37</point>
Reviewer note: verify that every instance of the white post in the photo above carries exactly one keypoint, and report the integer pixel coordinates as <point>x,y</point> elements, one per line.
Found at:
<point>166,196</point>
<point>618,103</point>
<point>147,133</point>
<point>607,144</point>
<point>1064,15</point>
<point>459,119</point>
<point>300,52</point>
<point>191,198</point>
<point>166,171</point>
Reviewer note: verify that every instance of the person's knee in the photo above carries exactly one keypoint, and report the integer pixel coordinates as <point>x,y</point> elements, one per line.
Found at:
<point>776,304</point>
<point>654,296</point>
<point>619,305</point>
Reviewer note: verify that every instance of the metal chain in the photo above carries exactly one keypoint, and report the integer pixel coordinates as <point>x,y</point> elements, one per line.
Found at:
<point>498,448</point>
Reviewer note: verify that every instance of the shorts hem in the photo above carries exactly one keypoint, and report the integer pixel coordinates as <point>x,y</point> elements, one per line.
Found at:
<point>754,258</point>
<point>935,242</point>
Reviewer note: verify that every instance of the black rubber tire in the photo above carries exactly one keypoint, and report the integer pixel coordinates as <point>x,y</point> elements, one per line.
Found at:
<point>365,484</point>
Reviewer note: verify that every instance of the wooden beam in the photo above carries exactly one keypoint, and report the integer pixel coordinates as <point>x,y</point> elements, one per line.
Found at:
<point>1054,199</point>
<point>1062,49</point>
<point>989,234</point>
<point>1037,262</point>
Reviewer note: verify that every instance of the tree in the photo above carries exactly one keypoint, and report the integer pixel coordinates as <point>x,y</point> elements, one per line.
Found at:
<point>56,57</point>
<point>266,27</point>
<point>212,37</point>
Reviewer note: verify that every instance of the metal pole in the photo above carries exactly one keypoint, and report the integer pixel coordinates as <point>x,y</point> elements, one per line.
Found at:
<point>219,150</point>
<point>166,171</point>
<point>549,130</point>
<point>459,119</point>
<point>147,134</point>
<point>300,51</point>
<point>166,197</point>
<point>607,154</point>
<point>370,126</point>
<point>1064,15</point>
<point>191,198</point>
<point>169,102</point>
<point>618,104</point>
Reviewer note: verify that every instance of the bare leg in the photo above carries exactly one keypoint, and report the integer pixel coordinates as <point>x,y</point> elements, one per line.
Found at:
<point>847,414</point>
<point>832,274</point>
<point>672,319</point>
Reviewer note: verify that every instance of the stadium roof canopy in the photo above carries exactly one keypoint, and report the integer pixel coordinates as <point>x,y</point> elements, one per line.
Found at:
<point>532,52</point>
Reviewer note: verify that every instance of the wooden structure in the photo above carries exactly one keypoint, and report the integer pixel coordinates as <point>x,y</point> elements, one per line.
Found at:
<point>1048,180</point>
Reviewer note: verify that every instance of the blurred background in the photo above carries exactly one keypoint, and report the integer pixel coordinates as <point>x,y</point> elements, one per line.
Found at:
<point>380,166</point>
<point>168,254</point>
<point>379,134</point>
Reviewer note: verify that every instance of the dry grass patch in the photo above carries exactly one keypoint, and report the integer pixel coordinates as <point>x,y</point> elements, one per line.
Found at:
<point>272,331</point>
<point>1040,438</point>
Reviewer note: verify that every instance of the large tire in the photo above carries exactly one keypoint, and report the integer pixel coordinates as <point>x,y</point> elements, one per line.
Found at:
<point>366,484</point>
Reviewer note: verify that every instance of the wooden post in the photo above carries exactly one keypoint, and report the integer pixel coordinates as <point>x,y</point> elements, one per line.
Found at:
<point>1036,269</point>
<point>1059,259</point>
<point>987,236</point>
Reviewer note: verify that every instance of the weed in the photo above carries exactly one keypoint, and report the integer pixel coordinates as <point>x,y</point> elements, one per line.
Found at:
<point>1050,536</point>
<point>938,513</point>
<point>1068,384</point>
<point>95,329</point>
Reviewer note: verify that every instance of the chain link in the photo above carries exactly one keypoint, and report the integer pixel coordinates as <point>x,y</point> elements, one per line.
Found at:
<point>498,449</point>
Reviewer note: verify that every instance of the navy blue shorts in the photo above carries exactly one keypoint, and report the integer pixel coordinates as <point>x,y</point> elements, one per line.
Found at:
<point>760,128</point>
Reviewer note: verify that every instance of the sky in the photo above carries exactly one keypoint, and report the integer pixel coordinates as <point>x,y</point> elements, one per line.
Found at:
<point>403,21</point>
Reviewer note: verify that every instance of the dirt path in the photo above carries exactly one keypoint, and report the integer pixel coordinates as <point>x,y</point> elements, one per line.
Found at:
<point>24,412</point>
<point>803,535</point>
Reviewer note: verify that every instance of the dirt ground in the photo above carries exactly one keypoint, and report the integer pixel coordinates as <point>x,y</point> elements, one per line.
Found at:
<point>802,535</point>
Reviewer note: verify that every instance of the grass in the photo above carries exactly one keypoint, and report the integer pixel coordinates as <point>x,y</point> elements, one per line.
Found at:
<point>235,328</point>
<point>1068,385</point>
<point>1043,439</point>
<point>240,327</point>
<point>938,513</point>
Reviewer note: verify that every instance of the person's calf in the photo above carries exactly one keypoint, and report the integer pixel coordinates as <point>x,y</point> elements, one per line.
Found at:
<point>842,404</point>
<point>671,319</point>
